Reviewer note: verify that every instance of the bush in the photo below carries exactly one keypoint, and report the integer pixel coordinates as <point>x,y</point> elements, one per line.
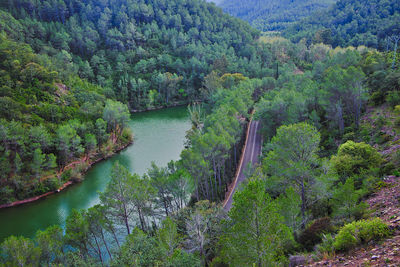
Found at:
<point>360,232</point>
<point>312,235</point>
<point>393,98</point>
<point>52,184</point>
<point>126,136</point>
<point>397,110</point>
<point>354,159</point>
<point>218,262</point>
<point>387,169</point>
<point>382,138</point>
<point>327,246</point>
<point>66,176</point>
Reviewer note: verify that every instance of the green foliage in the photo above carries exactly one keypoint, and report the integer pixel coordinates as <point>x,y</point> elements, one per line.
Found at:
<point>346,202</point>
<point>360,232</point>
<point>19,251</point>
<point>203,227</point>
<point>144,54</point>
<point>273,15</point>
<point>353,22</point>
<point>289,208</point>
<point>354,159</point>
<point>256,233</point>
<point>291,159</point>
<point>140,250</point>
<point>50,242</point>
<point>326,247</point>
<point>214,145</point>
<point>45,124</point>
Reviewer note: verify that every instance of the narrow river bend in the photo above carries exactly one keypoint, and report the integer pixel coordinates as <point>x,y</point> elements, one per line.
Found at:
<point>159,137</point>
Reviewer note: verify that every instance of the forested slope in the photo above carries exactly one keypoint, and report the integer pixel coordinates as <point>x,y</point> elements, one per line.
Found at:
<point>323,154</point>
<point>351,22</point>
<point>273,15</point>
<point>46,122</point>
<point>145,53</point>
<point>82,53</point>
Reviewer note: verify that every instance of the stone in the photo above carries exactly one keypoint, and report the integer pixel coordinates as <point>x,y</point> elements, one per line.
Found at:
<point>297,260</point>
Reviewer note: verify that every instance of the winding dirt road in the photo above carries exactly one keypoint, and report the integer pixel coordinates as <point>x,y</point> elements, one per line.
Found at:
<point>250,156</point>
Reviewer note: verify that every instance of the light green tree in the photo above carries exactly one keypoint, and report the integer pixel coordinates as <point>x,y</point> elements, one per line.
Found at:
<point>292,160</point>
<point>19,251</point>
<point>256,233</point>
<point>117,197</point>
<point>51,242</point>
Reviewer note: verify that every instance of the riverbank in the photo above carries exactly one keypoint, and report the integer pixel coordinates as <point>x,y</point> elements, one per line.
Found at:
<point>160,131</point>
<point>173,105</point>
<point>89,161</point>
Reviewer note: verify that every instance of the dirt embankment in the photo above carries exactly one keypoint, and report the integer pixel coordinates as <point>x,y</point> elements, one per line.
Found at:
<point>89,161</point>
<point>384,204</point>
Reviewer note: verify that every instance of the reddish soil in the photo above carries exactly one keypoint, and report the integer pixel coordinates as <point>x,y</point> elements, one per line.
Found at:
<point>384,204</point>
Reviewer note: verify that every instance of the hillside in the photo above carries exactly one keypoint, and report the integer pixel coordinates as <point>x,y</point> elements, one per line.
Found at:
<point>147,54</point>
<point>47,122</point>
<point>351,22</point>
<point>328,118</point>
<point>273,15</point>
<point>72,57</point>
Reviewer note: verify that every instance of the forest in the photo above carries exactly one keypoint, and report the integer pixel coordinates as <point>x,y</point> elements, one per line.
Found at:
<point>145,54</point>
<point>329,114</point>
<point>351,23</point>
<point>273,15</point>
<point>47,123</point>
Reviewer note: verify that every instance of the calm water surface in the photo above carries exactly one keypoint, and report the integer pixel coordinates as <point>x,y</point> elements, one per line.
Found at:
<point>159,137</point>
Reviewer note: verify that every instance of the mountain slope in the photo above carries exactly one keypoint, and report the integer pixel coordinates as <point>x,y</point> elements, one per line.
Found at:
<point>270,15</point>
<point>145,53</point>
<point>351,22</point>
<point>46,122</point>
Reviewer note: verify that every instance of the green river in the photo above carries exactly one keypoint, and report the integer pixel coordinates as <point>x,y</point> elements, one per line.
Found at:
<point>159,137</point>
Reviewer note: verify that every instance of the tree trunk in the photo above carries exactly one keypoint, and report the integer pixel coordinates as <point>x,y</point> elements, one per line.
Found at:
<point>340,117</point>
<point>303,205</point>
<point>98,248</point>
<point>105,243</point>
<point>126,220</point>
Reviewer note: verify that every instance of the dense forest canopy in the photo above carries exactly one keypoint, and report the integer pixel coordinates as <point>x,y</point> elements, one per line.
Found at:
<point>329,116</point>
<point>351,22</point>
<point>147,53</point>
<point>47,122</point>
<point>273,15</point>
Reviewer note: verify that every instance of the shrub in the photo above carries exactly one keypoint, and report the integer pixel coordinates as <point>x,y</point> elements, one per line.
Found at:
<point>52,184</point>
<point>349,136</point>
<point>327,245</point>
<point>66,176</point>
<point>126,136</point>
<point>382,138</point>
<point>387,169</point>
<point>373,229</point>
<point>313,233</point>
<point>393,98</point>
<point>397,110</point>
<point>354,159</point>
<point>360,232</point>
<point>346,201</point>
<point>218,262</point>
